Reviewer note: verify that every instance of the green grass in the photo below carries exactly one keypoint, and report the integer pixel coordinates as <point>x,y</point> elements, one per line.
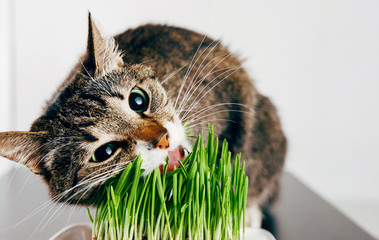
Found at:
<point>205,198</point>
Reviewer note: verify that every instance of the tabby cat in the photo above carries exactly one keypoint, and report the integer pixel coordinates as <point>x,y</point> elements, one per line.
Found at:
<point>133,94</point>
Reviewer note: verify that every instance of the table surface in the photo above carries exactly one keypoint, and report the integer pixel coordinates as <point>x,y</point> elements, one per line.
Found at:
<point>302,214</point>
<point>299,214</point>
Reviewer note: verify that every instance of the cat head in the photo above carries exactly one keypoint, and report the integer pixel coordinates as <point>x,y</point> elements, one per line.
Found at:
<point>106,114</point>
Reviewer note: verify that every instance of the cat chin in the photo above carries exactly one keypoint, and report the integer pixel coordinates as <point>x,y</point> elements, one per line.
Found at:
<point>177,136</point>
<point>151,159</point>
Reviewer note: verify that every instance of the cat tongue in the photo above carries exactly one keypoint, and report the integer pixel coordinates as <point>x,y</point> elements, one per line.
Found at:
<point>174,157</point>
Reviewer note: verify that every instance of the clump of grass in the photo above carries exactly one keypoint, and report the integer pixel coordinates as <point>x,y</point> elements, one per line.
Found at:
<point>205,198</point>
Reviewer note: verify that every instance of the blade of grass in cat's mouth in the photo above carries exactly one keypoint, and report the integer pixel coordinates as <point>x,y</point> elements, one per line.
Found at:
<point>174,156</point>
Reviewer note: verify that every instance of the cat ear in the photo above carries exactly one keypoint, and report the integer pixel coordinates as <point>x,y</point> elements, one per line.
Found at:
<point>23,147</point>
<point>102,54</point>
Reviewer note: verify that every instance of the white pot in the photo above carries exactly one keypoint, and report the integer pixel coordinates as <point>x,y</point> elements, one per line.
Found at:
<point>258,234</point>
<point>80,231</point>
<point>83,231</point>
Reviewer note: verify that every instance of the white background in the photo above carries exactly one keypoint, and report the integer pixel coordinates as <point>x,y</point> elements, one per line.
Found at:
<point>6,89</point>
<point>317,60</point>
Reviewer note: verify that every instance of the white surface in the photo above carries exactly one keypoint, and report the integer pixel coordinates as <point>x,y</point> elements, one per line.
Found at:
<point>363,212</point>
<point>318,60</point>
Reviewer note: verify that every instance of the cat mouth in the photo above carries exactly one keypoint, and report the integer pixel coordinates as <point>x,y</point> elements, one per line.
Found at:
<point>174,156</point>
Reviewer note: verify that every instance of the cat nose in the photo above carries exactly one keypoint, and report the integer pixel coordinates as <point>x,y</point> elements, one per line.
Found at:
<point>163,143</point>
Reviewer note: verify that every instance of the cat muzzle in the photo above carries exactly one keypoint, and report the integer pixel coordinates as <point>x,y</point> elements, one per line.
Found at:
<point>174,156</point>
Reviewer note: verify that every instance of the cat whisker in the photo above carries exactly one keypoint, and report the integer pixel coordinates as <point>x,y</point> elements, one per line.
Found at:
<point>205,129</point>
<point>195,86</point>
<point>147,61</point>
<point>212,120</point>
<point>40,208</point>
<point>41,160</point>
<point>74,209</point>
<point>185,110</point>
<point>96,182</point>
<point>208,74</point>
<point>24,185</point>
<point>109,84</point>
<point>196,100</point>
<point>98,179</point>
<point>44,205</point>
<point>215,85</point>
<point>60,206</point>
<point>39,229</point>
<point>188,72</point>
<point>194,77</point>
<point>60,196</point>
<point>203,78</point>
<point>90,186</point>
<point>211,107</point>
<point>53,216</point>
<point>101,169</point>
<point>191,89</point>
<point>198,82</point>
<point>28,216</point>
<point>173,74</point>
<point>214,113</point>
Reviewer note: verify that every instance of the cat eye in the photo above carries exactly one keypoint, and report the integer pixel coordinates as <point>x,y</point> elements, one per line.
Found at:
<point>138,100</point>
<point>105,152</point>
